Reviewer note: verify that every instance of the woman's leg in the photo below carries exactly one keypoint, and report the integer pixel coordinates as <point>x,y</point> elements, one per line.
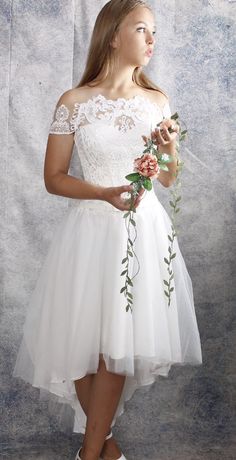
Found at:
<point>101,394</point>
<point>83,389</point>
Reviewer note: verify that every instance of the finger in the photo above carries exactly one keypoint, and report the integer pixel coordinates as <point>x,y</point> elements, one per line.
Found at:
<point>159,138</point>
<point>141,192</point>
<point>155,137</point>
<point>124,188</point>
<point>167,136</point>
<point>139,198</point>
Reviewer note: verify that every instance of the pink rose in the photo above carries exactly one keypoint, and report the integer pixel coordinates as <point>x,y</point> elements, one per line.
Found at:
<point>147,165</point>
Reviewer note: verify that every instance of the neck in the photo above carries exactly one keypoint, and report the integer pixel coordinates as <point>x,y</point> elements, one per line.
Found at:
<point>120,81</point>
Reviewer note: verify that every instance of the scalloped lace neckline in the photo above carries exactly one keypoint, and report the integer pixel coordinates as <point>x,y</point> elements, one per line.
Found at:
<point>99,96</point>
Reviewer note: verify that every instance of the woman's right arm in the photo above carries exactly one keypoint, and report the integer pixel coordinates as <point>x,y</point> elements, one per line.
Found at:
<point>59,182</point>
<point>56,167</point>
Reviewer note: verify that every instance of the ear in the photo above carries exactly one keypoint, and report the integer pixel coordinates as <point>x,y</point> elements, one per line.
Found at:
<point>115,41</point>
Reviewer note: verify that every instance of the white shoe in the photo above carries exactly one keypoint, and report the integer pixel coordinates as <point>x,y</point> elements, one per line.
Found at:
<point>77,457</point>
<point>122,455</point>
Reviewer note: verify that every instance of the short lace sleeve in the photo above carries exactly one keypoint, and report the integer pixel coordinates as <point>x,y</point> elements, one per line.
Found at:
<point>166,110</point>
<point>65,119</point>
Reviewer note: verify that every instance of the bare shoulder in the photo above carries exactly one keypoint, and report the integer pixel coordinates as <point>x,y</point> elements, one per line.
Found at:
<point>158,97</point>
<point>76,95</point>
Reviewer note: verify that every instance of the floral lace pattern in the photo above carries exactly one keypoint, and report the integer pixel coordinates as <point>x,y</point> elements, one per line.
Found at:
<point>123,112</point>
<point>108,135</point>
<point>63,123</point>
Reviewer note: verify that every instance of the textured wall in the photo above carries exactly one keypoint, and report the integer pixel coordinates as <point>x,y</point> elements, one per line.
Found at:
<point>190,415</point>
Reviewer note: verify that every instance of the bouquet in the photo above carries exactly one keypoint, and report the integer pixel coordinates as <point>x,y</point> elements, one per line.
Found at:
<point>146,168</point>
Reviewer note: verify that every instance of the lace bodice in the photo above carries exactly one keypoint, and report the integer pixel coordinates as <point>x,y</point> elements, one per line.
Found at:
<point>108,134</point>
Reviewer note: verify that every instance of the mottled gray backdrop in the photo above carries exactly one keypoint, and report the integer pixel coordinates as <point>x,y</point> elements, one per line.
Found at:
<point>191,414</point>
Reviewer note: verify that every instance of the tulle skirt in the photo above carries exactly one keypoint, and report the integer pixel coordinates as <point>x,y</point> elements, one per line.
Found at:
<point>77,312</point>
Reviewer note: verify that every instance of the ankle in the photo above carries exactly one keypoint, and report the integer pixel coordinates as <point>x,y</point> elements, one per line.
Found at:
<point>87,454</point>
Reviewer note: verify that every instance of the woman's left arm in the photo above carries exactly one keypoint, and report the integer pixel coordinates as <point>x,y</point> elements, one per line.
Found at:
<point>166,143</point>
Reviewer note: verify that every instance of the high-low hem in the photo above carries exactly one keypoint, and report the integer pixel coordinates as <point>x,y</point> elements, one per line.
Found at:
<point>50,390</point>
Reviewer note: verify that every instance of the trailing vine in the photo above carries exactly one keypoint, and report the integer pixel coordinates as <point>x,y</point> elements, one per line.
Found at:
<point>174,206</point>
<point>147,167</point>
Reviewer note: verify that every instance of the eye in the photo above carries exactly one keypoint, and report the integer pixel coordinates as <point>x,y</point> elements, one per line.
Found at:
<point>143,29</point>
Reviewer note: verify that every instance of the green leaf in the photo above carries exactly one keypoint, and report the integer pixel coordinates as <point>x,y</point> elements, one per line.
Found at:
<point>147,183</point>
<point>169,249</point>
<point>130,301</point>
<point>130,253</point>
<point>170,238</point>
<point>166,160</point>
<point>171,289</point>
<point>172,204</point>
<point>167,294</point>
<point>123,273</point>
<point>166,283</point>
<point>175,116</point>
<point>130,242</point>
<point>164,167</point>
<point>129,281</point>
<point>133,177</point>
<point>124,260</point>
<point>178,199</point>
<point>133,222</point>
<point>166,261</point>
<point>177,210</point>
<point>129,295</point>
<point>126,215</point>
<point>127,307</point>
<point>171,277</point>
<point>173,256</point>
<point>122,289</point>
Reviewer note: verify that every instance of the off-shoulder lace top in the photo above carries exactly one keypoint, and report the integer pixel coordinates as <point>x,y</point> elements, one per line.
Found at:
<point>108,134</point>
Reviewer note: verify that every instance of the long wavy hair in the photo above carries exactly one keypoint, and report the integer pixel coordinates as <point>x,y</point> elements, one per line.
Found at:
<point>100,60</point>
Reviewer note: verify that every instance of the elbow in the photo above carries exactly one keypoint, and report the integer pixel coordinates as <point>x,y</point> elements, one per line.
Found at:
<point>53,182</point>
<point>49,185</point>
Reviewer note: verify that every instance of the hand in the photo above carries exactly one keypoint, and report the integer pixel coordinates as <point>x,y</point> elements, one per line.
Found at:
<point>161,135</point>
<point>113,196</point>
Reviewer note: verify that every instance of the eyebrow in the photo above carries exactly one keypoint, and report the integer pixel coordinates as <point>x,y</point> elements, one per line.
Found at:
<point>143,22</point>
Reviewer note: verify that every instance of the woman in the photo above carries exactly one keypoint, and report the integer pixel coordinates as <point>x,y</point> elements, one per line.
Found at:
<point>79,341</point>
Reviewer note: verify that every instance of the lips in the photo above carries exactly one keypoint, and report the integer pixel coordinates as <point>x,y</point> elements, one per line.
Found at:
<point>149,53</point>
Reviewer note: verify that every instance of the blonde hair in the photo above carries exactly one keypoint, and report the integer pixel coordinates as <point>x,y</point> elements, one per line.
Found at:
<point>100,56</point>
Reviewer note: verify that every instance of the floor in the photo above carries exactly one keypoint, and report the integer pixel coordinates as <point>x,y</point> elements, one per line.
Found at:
<point>66,448</point>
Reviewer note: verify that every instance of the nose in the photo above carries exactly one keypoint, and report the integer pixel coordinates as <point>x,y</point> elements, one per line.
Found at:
<point>150,38</point>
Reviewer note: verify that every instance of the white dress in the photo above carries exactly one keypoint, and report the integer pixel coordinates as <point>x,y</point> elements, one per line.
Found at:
<point>77,310</point>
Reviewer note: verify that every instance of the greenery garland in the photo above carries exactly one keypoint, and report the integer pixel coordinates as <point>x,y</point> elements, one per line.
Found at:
<point>140,181</point>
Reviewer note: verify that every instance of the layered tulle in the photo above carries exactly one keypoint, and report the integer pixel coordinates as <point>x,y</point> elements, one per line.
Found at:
<point>77,311</point>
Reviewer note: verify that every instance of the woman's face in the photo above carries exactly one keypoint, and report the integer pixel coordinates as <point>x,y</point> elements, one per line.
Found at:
<point>134,41</point>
